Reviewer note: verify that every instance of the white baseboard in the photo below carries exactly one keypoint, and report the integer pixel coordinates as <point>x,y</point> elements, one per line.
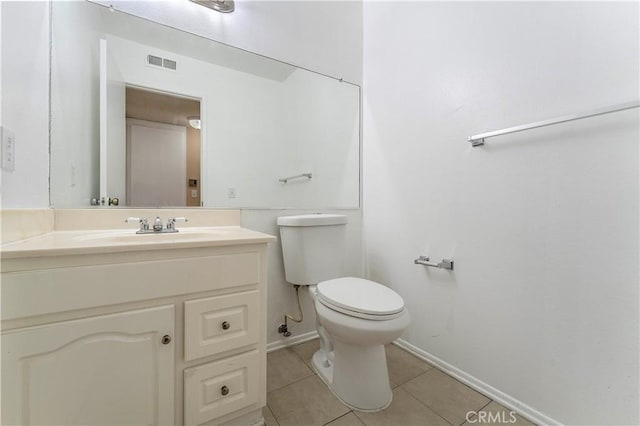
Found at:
<point>500,397</point>
<point>290,341</point>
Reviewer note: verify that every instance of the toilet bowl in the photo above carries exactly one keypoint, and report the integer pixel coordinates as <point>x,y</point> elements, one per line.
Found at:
<point>358,317</point>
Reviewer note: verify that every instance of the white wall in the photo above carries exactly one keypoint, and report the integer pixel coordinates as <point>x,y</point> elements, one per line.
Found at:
<point>322,36</point>
<point>305,123</point>
<point>542,225</point>
<point>75,106</point>
<point>25,108</point>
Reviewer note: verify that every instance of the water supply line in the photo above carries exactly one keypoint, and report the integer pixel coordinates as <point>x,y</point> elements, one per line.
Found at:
<point>283,328</point>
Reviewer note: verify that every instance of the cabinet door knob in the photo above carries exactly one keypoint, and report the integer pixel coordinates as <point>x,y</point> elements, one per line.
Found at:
<point>225,325</point>
<point>224,390</point>
<point>166,339</point>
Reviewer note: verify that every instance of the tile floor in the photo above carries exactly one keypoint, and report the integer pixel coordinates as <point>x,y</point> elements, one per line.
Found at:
<point>422,395</point>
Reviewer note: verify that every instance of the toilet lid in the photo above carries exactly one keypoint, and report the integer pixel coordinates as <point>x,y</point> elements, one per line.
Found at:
<point>359,296</point>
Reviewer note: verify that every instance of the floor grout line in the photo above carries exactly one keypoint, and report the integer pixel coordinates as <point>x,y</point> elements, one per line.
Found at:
<point>423,403</point>
<point>485,405</point>
<point>408,380</point>
<point>295,381</point>
<point>272,415</point>
<point>339,417</point>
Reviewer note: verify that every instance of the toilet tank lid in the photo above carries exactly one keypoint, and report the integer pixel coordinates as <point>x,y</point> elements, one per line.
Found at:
<point>312,220</point>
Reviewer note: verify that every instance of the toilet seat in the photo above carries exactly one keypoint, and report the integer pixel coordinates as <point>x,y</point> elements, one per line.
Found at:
<point>360,298</point>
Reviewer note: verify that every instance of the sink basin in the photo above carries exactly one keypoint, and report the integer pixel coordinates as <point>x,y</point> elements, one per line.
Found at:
<point>130,236</point>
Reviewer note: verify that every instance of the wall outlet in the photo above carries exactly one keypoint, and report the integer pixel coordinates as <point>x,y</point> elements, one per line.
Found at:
<point>231,192</point>
<point>194,193</point>
<point>8,149</point>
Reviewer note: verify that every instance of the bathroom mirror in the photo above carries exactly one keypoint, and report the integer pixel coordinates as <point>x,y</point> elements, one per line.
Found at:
<point>271,135</point>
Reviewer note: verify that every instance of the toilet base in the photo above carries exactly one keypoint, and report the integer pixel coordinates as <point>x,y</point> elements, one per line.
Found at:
<point>357,375</point>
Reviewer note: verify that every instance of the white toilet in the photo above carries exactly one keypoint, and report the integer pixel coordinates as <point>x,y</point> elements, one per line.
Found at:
<point>355,317</point>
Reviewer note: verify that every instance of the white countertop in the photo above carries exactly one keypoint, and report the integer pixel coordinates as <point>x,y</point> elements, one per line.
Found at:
<point>59,243</point>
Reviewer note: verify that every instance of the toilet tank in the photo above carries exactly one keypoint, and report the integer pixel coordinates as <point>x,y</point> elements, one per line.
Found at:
<point>313,247</point>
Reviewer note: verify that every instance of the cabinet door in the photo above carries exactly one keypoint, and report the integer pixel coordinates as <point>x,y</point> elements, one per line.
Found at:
<point>107,370</point>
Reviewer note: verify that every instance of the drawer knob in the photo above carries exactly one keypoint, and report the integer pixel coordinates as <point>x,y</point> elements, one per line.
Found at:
<point>224,390</point>
<point>166,339</point>
<point>225,325</point>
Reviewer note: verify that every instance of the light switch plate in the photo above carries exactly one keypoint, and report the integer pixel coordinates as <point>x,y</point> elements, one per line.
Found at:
<point>8,149</point>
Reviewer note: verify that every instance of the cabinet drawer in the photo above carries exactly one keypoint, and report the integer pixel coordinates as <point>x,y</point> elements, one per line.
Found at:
<point>217,324</point>
<point>218,388</point>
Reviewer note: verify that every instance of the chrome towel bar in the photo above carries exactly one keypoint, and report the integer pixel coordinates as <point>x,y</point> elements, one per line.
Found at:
<point>477,140</point>
<point>302,175</point>
<point>445,264</point>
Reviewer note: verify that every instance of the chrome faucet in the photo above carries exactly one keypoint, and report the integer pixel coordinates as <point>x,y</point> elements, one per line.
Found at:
<point>157,224</point>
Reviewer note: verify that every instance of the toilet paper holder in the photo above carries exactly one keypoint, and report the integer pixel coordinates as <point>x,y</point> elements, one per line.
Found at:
<point>445,264</point>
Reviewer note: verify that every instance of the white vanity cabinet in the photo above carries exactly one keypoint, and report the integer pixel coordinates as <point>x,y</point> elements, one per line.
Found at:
<point>147,336</point>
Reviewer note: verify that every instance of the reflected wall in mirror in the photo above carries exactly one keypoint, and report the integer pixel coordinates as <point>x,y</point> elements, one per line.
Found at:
<point>261,120</point>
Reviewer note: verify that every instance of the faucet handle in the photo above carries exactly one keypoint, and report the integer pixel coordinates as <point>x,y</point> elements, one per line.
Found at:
<point>144,223</point>
<point>171,222</point>
<point>135,220</point>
